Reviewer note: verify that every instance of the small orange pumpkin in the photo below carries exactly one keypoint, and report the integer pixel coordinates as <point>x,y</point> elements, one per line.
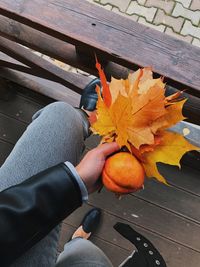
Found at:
<point>123,173</point>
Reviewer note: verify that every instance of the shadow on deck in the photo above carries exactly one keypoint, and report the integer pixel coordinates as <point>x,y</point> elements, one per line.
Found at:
<point>168,216</point>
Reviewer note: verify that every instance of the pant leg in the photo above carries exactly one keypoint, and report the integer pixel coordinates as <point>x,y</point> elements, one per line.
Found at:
<point>82,253</point>
<point>54,136</point>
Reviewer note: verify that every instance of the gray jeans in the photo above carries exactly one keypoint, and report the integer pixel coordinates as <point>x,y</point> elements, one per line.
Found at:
<point>55,135</point>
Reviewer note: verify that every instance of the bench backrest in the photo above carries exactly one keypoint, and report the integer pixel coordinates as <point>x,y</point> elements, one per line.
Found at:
<point>74,30</point>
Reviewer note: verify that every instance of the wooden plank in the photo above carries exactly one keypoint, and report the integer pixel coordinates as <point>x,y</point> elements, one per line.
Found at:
<point>191,109</point>
<point>153,217</point>
<point>18,67</point>
<point>66,53</point>
<point>182,178</point>
<point>11,129</point>
<point>9,88</point>
<point>170,57</point>
<point>19,108</point>
<point>51,89</point>
<point>71,80</point>
<point>113,252</point>
<point>8,62</point>
<point>55,48</point>
<point>5,149</point>
<point>176,255</point>
<point>173,199</point>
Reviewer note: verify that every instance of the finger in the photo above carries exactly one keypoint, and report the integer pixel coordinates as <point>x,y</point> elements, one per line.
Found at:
<point>108,148</point>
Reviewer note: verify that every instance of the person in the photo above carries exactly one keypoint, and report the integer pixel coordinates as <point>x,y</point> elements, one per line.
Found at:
<point>40,187</point>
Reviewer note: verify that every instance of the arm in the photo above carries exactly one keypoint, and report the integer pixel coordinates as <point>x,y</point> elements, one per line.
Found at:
<point>30,210</point>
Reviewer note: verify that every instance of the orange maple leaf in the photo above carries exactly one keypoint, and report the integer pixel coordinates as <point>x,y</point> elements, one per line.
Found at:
<point>106,92</point>
<point>130,124</point>
<point>135,113</point>
<point>131,114</point>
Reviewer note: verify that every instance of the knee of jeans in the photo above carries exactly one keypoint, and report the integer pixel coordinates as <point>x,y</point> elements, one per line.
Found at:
<point>59,107</point>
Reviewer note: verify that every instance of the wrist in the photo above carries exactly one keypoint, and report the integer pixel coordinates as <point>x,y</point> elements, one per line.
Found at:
<point>81,175</point>
<point>77,177</point>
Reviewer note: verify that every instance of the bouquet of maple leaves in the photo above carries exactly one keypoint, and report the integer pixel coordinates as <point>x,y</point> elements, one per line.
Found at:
<point>136,114</point>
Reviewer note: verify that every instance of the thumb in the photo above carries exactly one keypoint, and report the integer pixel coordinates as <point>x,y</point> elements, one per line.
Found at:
<point>108,148</point>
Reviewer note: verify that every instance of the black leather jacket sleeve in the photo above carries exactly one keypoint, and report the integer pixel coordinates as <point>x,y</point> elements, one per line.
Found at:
<point>30,210</point>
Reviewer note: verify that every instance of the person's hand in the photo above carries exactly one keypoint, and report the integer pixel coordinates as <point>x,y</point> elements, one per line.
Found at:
<point>91,166</point>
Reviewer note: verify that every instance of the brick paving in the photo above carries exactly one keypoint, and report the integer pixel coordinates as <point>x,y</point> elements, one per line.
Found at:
<point>178,18</point>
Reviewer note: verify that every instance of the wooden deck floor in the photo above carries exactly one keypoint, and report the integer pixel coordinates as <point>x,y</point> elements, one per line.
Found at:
<point>168,216</point>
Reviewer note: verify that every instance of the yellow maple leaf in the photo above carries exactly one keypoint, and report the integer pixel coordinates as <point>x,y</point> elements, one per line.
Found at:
<point>130,114</point>
<point>116,87</point>
<point>103,125</point>
<point>135,113</point>
<point>120,113</point>
<point>147,74</point>
<point>150,105</point>
<point>169,151</point>
<point>140,135</point>
<point>133,82</point>
<point>146,108</point>
<point>173,115</point>
<point>131,123</point>
<point>113,120</point>
<point>145,85</point>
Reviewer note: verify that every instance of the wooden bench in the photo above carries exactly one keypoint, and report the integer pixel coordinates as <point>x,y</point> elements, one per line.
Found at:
<point>73,31</point>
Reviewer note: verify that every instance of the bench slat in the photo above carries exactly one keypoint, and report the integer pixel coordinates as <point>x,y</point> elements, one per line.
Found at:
<point>45,87</point>
<point>71,80</point>
<point>55,48</point>
<point>114,37</point>
<point>169,224</point>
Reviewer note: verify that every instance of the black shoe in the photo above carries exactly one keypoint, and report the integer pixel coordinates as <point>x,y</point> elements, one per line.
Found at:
<point>89,96</point>
<point>91,220</point>
<point>88,102</point>
<point>89,224</point>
